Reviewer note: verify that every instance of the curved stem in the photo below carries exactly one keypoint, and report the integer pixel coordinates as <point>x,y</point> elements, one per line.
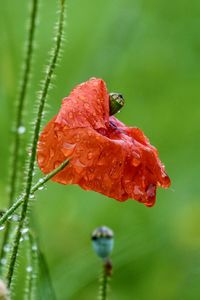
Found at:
<point>19,114</point>
<point>40,183</point>
<point>31,162</point>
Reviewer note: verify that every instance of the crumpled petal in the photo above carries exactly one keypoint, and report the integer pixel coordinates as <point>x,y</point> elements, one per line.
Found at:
<point>105,155</point>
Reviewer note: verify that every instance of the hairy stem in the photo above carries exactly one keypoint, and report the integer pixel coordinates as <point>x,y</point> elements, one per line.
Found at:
<point>40,183</point>
<point>32,267</point>
<point>103,285</point>
<point>107,272</point>
<point>19,115</point>
<point>42,100</point>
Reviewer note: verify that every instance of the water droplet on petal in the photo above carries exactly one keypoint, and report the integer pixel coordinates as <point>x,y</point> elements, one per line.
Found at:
<point>135,161</point>
<point>137,190</point>
<point>77,138</point>
<point>70,115</point>
<point>68,149</point>
<point>21,130</point>
<point>78,166</point>
<point>41,158</point>
<point>86,105</point>
<point>90,155</point>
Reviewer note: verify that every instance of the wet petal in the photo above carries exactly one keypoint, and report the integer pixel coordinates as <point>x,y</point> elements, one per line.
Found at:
<point>105,155</point>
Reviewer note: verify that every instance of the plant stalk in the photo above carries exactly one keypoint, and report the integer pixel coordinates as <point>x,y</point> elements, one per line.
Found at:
<point>42,100</point>
<point>19,115</point>
<point>40,183</point>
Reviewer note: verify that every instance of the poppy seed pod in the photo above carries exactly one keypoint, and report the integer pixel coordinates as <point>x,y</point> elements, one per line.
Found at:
<point>102,241</point>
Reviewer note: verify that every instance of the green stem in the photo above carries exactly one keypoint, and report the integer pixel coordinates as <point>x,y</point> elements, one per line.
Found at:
<point>19,115</point>
<point>31,162</point>
<point>32,267</point>
<point>40,183</point>
<point>103,285</point>
<point>107,273</point>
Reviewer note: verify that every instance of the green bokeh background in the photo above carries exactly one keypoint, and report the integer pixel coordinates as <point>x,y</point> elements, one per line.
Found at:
<point>149,51</point>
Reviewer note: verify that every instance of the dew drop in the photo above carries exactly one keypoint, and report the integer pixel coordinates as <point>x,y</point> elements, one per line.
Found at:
<point>31,196</point>
<point>34,248</point>
<point>41,180</point>
<point>3,261</point>
<point>15,218</point>
<point>29,269</point>
<point>71,116</point>
<point>68,149</point>
<point>6,248</point>
<point>41,188</point>
<point>90,155</point>
<point>2,227</point>
<point>135,161</point>
<point>86,105</point>
<point>24,230</point>
<point>21,130</point>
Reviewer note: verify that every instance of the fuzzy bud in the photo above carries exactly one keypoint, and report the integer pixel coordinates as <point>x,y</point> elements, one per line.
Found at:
<point>116,103</point>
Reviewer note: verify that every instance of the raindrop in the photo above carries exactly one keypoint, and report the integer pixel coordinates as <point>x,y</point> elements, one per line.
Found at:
<point>29,269</point>
<point>71,116</point>
<point>21,130</point>
<point>86,105</point>
<point>21,239</point>
<point>90,155</point>
<point>2,227</point>
<point>68,148</point>
<point>41,180</point>
<point>15,218</point>
<point>24,230</point>
<point>6,248</point>
<point>3,261</point>
<point>34,248</point>
<point>41,187</point>
<point>31,196</point>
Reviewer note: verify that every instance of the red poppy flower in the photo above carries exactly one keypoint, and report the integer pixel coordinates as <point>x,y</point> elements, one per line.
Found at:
<point>105,155</point>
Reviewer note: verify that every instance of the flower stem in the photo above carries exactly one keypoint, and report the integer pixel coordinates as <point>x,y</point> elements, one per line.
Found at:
<point>19,114</point>
<point>40,183</point>
<point>32,267</point>
<point>107,272</point>
<point>42,100</point>
<point>104,286</point>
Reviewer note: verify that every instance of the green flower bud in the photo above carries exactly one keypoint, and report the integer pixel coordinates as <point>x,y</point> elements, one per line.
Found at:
<point>116,102</point>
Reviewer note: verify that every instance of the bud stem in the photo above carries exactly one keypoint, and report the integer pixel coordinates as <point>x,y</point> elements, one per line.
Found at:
<point>107,272</point>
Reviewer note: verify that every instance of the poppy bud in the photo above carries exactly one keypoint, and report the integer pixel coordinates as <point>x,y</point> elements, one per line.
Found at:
<point>102,241</point>
<point>116,102</point>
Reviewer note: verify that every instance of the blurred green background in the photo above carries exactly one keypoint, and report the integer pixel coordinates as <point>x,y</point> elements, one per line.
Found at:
<point>149,51</point>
